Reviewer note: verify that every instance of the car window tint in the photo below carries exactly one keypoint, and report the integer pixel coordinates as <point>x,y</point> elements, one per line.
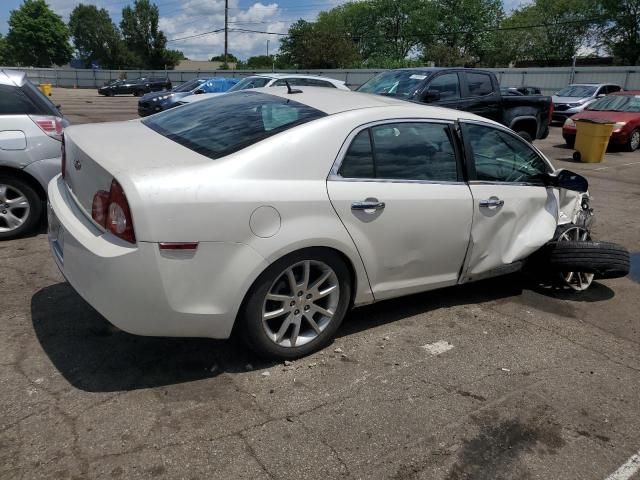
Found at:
<point>446,85</point>
<point>313,82</point>
<point>221,125</point>
<point>613,88</point>
<point>479,84</point>
<point>14,101</point>
<point>414,151</point>
<point>358,161</point>
<point>501,157</point>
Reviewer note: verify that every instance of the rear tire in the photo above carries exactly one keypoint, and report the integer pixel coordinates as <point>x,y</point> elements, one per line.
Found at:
<point>526,135</point>
<point>273,292</point>
<point>15,219</point>
<point>603,259</point>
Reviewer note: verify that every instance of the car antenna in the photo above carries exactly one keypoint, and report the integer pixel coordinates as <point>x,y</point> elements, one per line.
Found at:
<point>291,90</point>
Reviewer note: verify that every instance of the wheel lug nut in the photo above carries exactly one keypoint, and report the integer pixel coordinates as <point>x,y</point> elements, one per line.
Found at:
<point>292,303</point>
<point>306,308</point>
<point>300,293</point>
<point>297,312</point>
<point>309,296</point>
<point>4,211</point>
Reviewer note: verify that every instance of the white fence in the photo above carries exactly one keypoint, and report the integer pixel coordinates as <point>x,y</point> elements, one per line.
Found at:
<point>548,79</point>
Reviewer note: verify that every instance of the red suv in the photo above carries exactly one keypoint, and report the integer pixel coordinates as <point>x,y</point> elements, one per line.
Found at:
<point>621,108</point>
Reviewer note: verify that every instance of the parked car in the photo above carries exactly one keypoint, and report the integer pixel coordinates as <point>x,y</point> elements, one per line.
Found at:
<point>577,96</point>
<point>137,87</point>
<point>30,135</point>
<point>519,91</point>
<point>277,80</point>
<point>158,101</point>
<point>470,90</point>
<point>622,108</point>
<point>279,210</point>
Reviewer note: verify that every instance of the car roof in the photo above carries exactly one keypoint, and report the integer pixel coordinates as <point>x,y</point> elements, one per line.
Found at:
<point>293,75</point>
<point>12,77</point>
<point>332,101</point>
<point>592,84</point>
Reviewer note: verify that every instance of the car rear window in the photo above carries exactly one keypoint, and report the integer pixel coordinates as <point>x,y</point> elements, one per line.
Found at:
<point>223,125</point>
<point>13,101</point>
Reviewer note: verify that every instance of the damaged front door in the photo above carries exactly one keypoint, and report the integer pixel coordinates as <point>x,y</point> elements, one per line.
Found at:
<point>514,214</point>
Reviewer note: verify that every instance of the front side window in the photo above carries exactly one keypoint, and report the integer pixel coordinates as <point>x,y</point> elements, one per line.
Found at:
<point>13,101</point>
<point>222,125</point>
<point>501,157</point>
<point>479,84</point>
<point>250,82</point>
<point>402,151</point>
<point>447,85</point>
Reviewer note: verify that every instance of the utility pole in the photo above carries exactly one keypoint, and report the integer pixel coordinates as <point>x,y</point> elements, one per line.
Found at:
<point>226,31</point>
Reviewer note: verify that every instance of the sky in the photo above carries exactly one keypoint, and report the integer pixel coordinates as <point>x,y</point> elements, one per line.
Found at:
<point>184,18</point>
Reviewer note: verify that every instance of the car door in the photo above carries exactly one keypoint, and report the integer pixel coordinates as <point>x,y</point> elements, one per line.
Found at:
<point>397,187</point>
<point>447,88</point>
<point>514,214</point>
<point>480,95</point>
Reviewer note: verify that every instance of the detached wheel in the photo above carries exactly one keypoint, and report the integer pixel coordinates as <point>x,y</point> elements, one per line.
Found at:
<point>20,207</point>
<point>579,260</point>
<point>295,307</point>
<point>634,141</point>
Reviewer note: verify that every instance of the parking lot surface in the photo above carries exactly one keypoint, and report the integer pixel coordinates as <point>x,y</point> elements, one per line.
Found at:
<point>501,379</point>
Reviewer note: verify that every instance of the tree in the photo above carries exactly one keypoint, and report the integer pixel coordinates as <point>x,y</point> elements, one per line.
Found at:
<point>4,60</point>
<point>258,62</point>
<point>220,58</point>
<point>140,30</point>
<point>37,36</point>
<point>318,45</point>
<point>463,31</point>
<point>621,35</point>
<point>95,36</point>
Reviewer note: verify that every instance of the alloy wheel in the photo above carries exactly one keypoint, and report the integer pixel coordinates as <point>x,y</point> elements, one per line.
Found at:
<point>578,281</point>
<point>301,303</point>
<point>14,208</point>
<point>634,142</point>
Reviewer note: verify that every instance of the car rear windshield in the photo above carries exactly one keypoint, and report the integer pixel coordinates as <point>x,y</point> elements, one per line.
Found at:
<point>223,125</point>
<point>577,91</point>
<point>402,83</point>
<point>250,82</point>
<point>617,103</point>
<point>190,85</point>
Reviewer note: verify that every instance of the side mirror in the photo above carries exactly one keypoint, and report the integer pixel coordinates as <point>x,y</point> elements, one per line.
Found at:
<point>569,181</point>
<point>198,91</point>
<point>431,96</point>
<point>600,95</point>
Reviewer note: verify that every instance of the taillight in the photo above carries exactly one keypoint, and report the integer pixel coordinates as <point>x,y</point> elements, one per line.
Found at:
<point>551,108</point>
<point>50,125</point>
<point>63,154</point>
<point>111,210</point>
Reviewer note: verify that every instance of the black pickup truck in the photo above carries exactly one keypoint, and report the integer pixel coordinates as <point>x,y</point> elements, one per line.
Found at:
<point>468,89</point>
<point>137,87</point>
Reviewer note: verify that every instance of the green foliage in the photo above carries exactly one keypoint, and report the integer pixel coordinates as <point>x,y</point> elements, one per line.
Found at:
<point>96,37</point>
<point>37,36</point>
<point>4,57</point>
<point>259,62</point>
<point>622,36</point>
<point>220,58</point>
<point>142,36</point>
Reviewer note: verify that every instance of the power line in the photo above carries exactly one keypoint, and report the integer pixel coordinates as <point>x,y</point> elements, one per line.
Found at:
<point>196,35</point>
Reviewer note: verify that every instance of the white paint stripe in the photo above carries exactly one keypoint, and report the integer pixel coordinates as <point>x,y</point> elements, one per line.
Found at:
<point>438,347</point>
<point>623,165</point>
<point>627,469</point>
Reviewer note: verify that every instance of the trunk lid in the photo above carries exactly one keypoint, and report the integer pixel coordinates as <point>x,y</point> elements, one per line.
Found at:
<point>127,151</point>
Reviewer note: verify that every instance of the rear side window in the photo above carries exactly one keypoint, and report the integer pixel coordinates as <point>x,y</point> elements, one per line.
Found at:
<point>447,85</point>
<point>479,84</point>
<point>222,125</point>
<point>402,151</point>
<point>13,101</point>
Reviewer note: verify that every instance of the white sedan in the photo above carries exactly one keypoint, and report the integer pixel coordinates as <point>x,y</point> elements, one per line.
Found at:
<point>264,80</point>
<point>277,211</point>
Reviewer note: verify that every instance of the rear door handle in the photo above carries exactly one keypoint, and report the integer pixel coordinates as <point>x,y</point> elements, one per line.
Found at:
<point>492,202</point>
<point>368,205</point>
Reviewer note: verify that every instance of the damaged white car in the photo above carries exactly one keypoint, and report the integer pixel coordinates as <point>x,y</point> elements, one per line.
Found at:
<point>276,211</point>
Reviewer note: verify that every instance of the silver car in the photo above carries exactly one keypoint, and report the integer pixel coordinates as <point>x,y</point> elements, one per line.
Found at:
<point>30,151</point>
<point>578,96</point>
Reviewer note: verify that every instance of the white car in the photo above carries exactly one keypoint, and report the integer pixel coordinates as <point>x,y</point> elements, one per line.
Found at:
<point>279,211</point>
<point>273,80</point>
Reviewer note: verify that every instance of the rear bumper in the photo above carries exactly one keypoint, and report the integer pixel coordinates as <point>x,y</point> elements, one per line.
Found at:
<point>138,288</point>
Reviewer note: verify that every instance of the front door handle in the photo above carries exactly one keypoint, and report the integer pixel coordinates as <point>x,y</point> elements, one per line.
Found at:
<point>368,205</point>
<point>493,202</point>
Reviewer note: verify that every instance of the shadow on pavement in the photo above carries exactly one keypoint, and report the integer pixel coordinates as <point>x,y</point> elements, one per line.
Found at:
<point>95,356</point>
